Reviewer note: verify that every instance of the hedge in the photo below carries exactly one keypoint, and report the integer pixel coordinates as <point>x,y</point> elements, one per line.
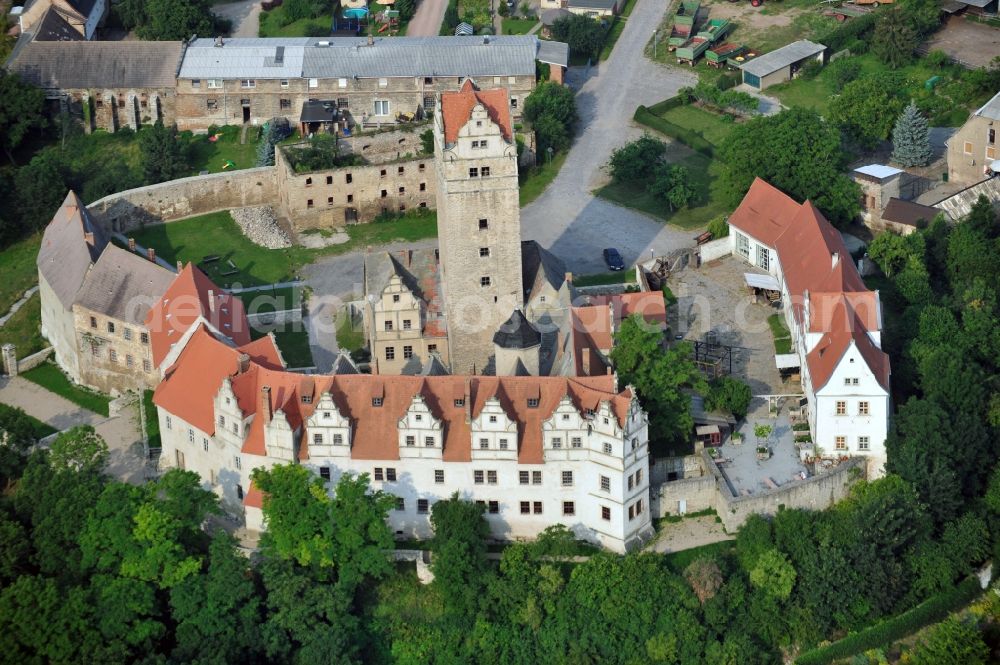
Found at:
<point>660,108</point>
<point>930,611</point>
<point>850,31</point>
<point>688,137</point>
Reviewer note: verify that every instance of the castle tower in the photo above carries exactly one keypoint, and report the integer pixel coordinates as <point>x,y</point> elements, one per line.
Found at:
<point>479,220</point>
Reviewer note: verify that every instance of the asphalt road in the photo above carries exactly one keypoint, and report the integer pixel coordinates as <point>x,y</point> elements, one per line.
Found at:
<point>567,218</point>
<point>426,21</point>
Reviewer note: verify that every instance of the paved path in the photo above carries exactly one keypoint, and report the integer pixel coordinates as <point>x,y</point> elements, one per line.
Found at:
<point>426,21</point>
<point>121,432</point>
<point>18,305</point>
<point>687,534</point>
<point>245,16</point>
<point>567,218</point>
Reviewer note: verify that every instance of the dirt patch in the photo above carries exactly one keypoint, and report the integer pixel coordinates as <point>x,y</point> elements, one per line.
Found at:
<point>318,240</point>
<point>749,17</point>
<point>970,43</point>
<point>689,533</point>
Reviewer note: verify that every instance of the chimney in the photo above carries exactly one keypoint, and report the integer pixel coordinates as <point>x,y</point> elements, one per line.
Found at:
<point>151,254</point>
<point>243,363</point>
<point>88,237</point>
<point>211,301</point>
<point>834,259</point>
<point>569,278</point>
<point>180,265</point>
<point>371,40</point>
<point>131,245</point>
<point>265,404</point>
<point>219,42</point>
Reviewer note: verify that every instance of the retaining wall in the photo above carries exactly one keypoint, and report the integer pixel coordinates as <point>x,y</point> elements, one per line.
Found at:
<point>716,249</point>
<point>186,197</point>
<point>34,360</point>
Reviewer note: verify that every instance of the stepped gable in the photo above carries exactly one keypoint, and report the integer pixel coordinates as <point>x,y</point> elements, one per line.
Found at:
<point>71,243</point>
<point>456,108</point>
<point>187,300</point>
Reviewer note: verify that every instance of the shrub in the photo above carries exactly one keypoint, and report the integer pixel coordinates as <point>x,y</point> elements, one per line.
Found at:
<point>843,70</point>
<point>688,137</point>
<point>850,35</point>
<point>636,160</point>
<point>811,69</point>
<point>884,632</point>
<point>719,227</point>
<point>937,59</point>
<point>729,394</point>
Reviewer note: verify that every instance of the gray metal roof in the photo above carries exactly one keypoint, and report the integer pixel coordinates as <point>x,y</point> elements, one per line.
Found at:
<point>66,254</point>
<point>244,58</point>
<point>123,285</point>
<point>976,3</point>
<point>554,53</point>
<point>347,57</point>
<point>991,109</point>
<point>538,264</point>
<point>62,65</point>
<point>782,57</point>
<point>517,333</point>
<point>593,4</point>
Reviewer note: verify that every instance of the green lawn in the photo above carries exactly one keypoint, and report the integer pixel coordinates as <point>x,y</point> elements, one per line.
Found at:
<point>712,126</point>
<point>603,278</point>
<point>49,376</point>
<point>274,23</point>
<point>212,156</point>
<point>782,338</point>
<point>350,337</point>
<point>294,346</point>
<point>17,264</point>
<point>41,429</point>
<point>271,300</point>
<point>614,32</point>
<point>627,9</point>
<point>217,234</point>
<point>152,421</point>
<point>537,178</point>
<point>24,328</point>
<point>707,203</point>
<point>518,26</point>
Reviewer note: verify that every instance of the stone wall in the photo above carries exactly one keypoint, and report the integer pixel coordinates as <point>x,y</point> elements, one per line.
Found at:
<point>712,491</point>
<point>357,194</point>
<point>186,197</point>
<point>113,361</point>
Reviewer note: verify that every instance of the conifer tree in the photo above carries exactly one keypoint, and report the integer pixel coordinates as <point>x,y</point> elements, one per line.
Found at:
<point>911,144</point>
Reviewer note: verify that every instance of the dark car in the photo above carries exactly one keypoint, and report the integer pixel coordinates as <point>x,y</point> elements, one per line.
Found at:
<point>614,259</point>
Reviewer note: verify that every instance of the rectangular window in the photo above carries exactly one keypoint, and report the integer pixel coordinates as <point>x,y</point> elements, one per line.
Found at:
<point>485,280</point>
<point>862,408</point>
<point>513,102</point>
<point>968,147</point>
<point>400,503</point>
<point>93,322</point>
<point>378,473</point>
<point>390,353</point>
<point>422,506</point>
<point>190,435</point>
<point>113,356</point>
<point>213,83</point>
<point>195,83</point>
<point>390,474</point>
<point>239,492</point>
<point>484,251</point>
<point>204,444</point>
<point>532,402</point>
<point>410,440</point>
<point>569,508</point>
<point>605,513</point>
<point>318,439</point>
<point>863,443</point>
<point>248,83</point>
<point>383,83</point>
<point>439,476</point>
<point>343,103</point>
<point>607,448</point>
<point>381,107</point>
<point>537,508</point>
<point>485,171</point>
<point>491,477</point>
<point>111,327</point>
<point>284,104</point>
<point>483,224</point>
<point>388,325</point>
<point>525,507</point>
<point>743,246</point>
<point>567,478</point>
<point>841,408</point>
<point>576,442</point>
<point>170,422</point>
<point>503,444</point>
<point>309,203</point>
<point>341,83</point>
<point>407,351</point>
<point>494,507</point>
<point>338,439</point>
<point>147,366</point>
<point>763,257</point>
<point>407,324</point>
<point>840,442</point>
<point>127,333</point>
<point>324,473</point>
<point>284,83</point>
<point>477,477</point>
<point>402,190</point>
<point>459,402</point>
<point>428,441</point>
<point>313,83</point>
<point>631,483</point>
<point>212,104</point>
<point>473,172</point>
<point>522,477</point>
<point>638,477</point>
<point>239,462</point>
<point>484,444</point>
<point>605,484</point>
<point>129,361</point>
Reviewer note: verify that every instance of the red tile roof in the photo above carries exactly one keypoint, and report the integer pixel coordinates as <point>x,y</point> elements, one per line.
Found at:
<point>190,386</point>
<point>592,326</point>
<point>456,108</point>
<point>254,498</point>
<point>186,299</point>
<point>818,269</point>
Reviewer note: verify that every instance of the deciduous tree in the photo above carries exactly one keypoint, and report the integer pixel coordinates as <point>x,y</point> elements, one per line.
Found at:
<point>21,109</point>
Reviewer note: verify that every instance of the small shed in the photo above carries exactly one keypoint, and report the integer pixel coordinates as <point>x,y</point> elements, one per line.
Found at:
<point>981,7</point>
<point>905,216</point>
<point>782,64</point>
<point>594,8</point>
<point>464,30</point>
<point>710,435</point>
<point>763,285</point>
<point>318,115</point>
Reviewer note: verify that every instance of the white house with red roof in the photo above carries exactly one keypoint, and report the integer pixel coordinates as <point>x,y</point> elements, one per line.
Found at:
<point>535,451</point>
<point>834,319</point>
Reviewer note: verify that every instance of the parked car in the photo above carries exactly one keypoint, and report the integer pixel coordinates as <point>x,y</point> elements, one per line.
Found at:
<point>613,259</point>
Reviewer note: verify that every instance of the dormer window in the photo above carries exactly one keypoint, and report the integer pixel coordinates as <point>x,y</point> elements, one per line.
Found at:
<point>459,403</point>
<point>532,402</point>
<point>376,401</point>
<point>307,399</point>
<point>326,415</point>
<point>395,297</point>
<point>493,419</point>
